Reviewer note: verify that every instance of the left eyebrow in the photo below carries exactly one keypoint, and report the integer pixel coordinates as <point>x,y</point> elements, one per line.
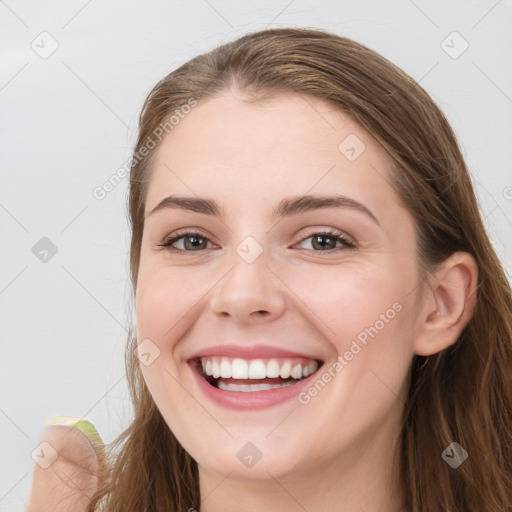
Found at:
<point>300,204</point>
<point>286,207</point>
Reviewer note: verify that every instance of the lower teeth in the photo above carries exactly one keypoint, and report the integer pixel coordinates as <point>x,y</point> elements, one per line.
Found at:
<point>248,388</point>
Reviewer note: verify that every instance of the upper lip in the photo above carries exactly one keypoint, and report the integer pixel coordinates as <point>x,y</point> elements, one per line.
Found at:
<point>254,352</point>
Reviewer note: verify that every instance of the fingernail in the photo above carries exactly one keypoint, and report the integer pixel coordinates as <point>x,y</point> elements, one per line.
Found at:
<point>85,426</point>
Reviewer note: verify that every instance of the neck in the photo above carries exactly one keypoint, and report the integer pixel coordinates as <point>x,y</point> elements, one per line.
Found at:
<point>363,477</point>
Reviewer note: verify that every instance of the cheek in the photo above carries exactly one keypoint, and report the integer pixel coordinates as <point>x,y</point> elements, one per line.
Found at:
<point>159,309</point>
<point>364,313</point>
<point>160,303</point>
<point>348,301</point>
<point>162,316</point>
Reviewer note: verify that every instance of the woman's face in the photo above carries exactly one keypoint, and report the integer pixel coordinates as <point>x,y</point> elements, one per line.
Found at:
<point>263,286</point>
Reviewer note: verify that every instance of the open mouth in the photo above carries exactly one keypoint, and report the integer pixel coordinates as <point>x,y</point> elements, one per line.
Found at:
<point>249,375</point>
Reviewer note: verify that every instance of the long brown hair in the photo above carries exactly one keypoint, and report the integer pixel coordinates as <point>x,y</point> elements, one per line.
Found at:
<point>463,393</point>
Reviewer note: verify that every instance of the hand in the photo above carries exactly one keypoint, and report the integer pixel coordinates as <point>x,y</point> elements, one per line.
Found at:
<point>70,480</point>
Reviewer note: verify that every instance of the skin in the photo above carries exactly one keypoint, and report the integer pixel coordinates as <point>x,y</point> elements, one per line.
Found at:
<point>248,157</point>
<point>337,451</point>
<point>69,482</point>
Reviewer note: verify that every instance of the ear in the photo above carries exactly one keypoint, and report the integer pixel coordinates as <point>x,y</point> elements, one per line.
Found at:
<point>448,304</point>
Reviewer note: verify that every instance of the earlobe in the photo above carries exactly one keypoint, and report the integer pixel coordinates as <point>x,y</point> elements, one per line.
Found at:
<point>448,304</point>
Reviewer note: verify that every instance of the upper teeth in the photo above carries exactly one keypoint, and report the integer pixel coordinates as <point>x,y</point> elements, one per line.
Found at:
<point>237,368</point>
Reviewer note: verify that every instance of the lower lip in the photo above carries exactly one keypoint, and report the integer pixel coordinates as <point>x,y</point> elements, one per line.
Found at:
<point>250,400</point>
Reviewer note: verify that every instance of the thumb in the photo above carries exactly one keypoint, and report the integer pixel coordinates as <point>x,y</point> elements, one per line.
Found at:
<point>68,460</point>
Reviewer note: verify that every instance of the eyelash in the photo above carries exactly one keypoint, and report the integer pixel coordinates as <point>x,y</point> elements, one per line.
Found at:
<point>336,235</point>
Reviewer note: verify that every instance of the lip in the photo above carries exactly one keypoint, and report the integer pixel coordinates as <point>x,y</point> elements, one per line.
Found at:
<point>253,400</point>
<point>255,352</point>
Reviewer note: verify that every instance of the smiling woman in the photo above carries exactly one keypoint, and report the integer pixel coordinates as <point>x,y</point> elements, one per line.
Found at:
<point>324,321</point>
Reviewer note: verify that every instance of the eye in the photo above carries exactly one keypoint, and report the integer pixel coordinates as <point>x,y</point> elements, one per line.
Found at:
<point>329,240</point>
<point>326,241</point>
<point>194,238</point>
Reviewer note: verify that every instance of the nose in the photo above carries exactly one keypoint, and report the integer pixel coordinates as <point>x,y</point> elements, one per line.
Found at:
<point>249,292</point>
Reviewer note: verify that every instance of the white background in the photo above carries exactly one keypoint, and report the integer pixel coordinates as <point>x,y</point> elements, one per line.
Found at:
<point>68,122</point>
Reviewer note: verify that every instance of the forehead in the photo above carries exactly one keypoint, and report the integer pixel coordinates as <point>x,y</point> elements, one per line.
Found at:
<point>288,145</point>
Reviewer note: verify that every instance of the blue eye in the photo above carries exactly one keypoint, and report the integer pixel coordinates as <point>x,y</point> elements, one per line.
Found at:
<point>193,241</point>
